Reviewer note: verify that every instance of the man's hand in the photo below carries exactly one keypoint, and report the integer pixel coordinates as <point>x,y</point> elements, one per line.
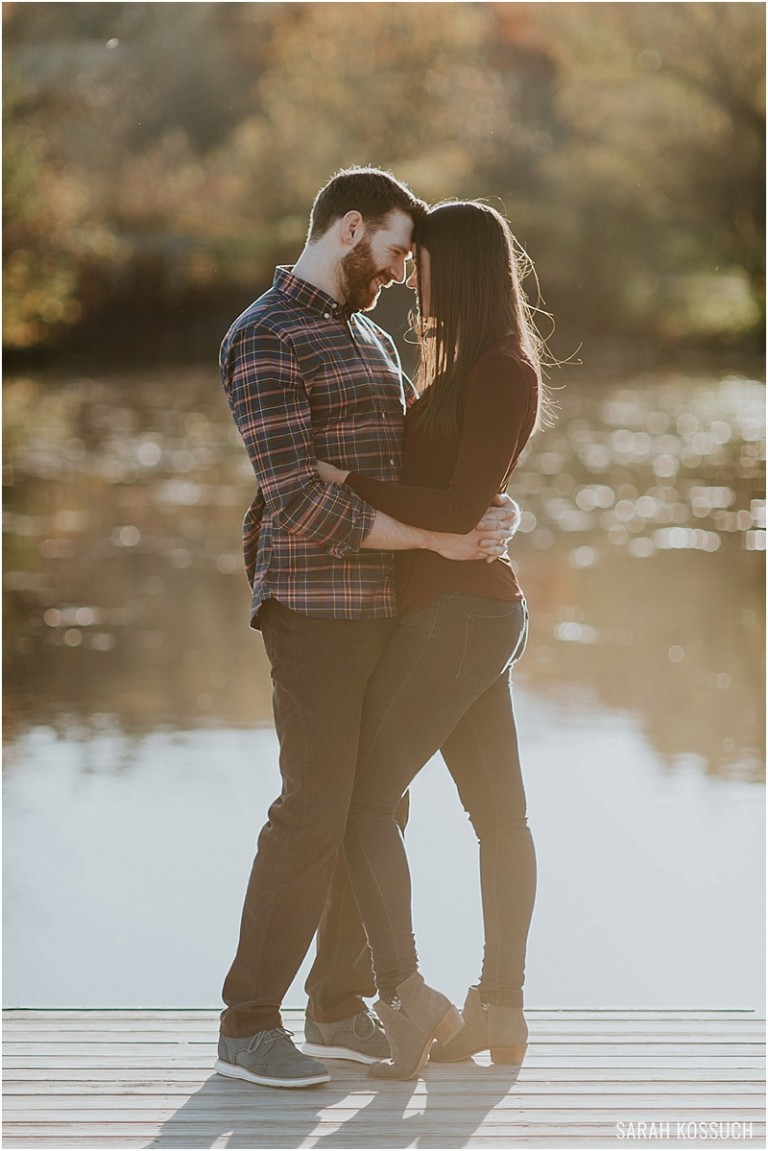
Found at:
<point>503,513</point>
<point>482,543</point>
<point>502,519</point>
<point>486,542</point>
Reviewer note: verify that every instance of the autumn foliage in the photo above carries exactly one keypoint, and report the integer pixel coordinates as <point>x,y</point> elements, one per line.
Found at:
<point>170,151</point>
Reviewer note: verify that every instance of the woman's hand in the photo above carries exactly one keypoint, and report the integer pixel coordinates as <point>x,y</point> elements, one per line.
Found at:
<point>330,473</point>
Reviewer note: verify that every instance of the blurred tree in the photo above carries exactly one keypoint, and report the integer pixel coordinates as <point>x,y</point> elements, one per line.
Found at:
<point>154,151</point>
<point>662,169</point>
<point>54,226</point>
<point>111,113</point>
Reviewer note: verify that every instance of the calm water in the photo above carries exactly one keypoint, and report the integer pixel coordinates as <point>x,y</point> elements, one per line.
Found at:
<point>140,757</point>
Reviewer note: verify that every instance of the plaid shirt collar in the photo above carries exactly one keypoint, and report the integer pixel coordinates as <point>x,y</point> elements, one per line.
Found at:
<point>312,298</point>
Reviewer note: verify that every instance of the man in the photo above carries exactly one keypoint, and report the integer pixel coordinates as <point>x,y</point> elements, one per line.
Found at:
<point>307,376</point>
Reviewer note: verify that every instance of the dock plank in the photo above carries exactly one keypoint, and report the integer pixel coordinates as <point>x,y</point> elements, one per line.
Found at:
<point>143,1078</point>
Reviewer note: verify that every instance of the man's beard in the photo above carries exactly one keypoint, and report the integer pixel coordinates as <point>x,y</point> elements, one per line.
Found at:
<point>358,270</point>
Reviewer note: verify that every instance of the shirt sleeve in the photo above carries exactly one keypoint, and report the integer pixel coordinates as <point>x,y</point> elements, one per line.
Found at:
<point>496,422</point>
<point>270,405</point>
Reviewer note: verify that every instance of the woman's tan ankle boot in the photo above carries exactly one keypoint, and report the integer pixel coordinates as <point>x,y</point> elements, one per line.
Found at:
<point>487,1027</point>
<point>507,1034</point>
<point>421,1015</point>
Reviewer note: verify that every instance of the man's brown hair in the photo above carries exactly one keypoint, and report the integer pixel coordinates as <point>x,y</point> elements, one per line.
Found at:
<point>370,191</point>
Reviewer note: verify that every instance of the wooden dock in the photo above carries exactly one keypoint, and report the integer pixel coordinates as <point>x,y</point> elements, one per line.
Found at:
<point>592,1078</point>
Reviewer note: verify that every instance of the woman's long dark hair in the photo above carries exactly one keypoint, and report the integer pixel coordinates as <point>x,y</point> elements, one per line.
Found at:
<point>476,301</point>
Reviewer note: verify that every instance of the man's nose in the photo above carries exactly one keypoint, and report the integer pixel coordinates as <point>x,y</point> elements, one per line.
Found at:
<point>397,270</point>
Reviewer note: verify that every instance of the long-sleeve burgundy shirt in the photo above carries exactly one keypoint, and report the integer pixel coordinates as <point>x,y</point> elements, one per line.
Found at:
<point>448,482</point>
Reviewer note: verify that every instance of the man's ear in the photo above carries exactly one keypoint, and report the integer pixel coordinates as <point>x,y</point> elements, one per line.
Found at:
<point>352,229</point>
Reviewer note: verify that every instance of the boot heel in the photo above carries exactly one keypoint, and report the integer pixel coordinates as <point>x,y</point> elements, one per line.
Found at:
<point>509,1054</point>
<point>450,1025</point>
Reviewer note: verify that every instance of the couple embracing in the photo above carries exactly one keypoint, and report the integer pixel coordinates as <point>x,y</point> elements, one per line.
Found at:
<point>376,553</point>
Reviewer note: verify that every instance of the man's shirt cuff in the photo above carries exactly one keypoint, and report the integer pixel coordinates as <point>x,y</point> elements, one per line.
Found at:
<point>361,523</point>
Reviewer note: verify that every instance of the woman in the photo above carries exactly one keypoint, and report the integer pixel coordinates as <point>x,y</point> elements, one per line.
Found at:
<point>443,681</point>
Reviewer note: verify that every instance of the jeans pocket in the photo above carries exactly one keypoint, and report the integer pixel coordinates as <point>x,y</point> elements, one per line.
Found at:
<point>491,644</point>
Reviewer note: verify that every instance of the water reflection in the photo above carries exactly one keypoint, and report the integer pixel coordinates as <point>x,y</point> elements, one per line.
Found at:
<point>640,549</point>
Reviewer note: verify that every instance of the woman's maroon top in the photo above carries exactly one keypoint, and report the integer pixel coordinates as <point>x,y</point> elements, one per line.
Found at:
<point>448,482</point>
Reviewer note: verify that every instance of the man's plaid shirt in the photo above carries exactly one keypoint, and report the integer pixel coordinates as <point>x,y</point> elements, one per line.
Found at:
<point>306,380</point>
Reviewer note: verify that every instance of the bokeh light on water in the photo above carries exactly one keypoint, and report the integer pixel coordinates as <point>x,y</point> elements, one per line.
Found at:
<point>136,783</point>
<point>640,551</point>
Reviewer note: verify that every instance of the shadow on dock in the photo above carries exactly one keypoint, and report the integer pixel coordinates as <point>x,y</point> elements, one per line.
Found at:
<point>350,1111</point>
